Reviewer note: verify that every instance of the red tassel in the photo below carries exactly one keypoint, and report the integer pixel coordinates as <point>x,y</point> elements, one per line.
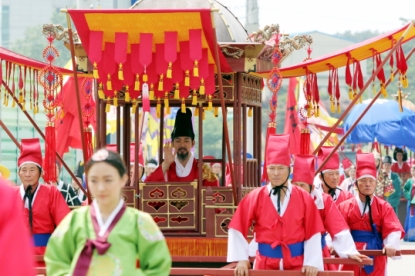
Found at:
<point>305,141</point>
<point>348,74</point>
<point>49,175</point>
<point>88,142</point>
<point>359,76</point>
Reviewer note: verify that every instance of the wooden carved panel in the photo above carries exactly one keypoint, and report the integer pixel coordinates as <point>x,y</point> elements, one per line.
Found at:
<point>128,194</point>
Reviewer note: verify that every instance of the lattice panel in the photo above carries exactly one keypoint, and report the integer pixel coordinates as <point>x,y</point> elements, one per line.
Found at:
<point>172,205</point>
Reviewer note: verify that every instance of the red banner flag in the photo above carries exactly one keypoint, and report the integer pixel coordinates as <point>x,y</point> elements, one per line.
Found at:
<point>292,124</point>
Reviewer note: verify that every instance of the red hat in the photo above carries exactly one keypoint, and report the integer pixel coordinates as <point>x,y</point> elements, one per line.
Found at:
<point>113,147</point>
<point>278,150</point>
<point>209,157</point>
<point>346,163</point>
<point>30,152</point>
<point>365,165</point>
<point>304,169</point>
<point>333,163</point>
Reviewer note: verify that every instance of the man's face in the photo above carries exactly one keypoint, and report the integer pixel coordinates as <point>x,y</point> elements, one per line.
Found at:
<point>303,186</point>
<point>150,170</point>
<point>216,168</point>
<point>331,178</point>
<point>29,174</point>
<point>366,185</point>
<point>182,146</point>
<point>277,174</point>
<point>386,167</point>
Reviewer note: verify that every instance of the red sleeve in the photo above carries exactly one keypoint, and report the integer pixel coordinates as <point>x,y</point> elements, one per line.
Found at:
<point>390,222</point>
<point>312,219</point>
<point>59,207</point>
<point>333,222</point>
<point>244,215</point>
<point>156,176</point>
<point>16,253</point>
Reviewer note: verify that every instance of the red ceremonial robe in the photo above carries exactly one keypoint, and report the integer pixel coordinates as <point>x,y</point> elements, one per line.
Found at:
<point>386,222</point>
<point>158,176</point>
<point>16,249</point>
<point>333,224</point>
<point>48,210</point>
<point>405,168</point>
<point>344,195</point>
<point>299,223</point>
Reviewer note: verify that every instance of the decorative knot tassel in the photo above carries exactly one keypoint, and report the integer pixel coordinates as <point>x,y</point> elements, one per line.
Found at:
<point>95,71</point>
<point>216,111</point>
<point>134,109</point>
<point>373,88</point>
<point>210,107</point>
<point>187,79</point>
<point>115,99</point>
<point>332,109</point>
<point>250,112</point>
<point>196,69</point>
<point>338,108</point>
<point>177,93</point>
<point>127,94</point>
<point>194,98</point>
<point>137,82</point>
<point>13,103</point>
<point>120,72</point>
<point>101,91</point>
<point>392,77</point>
<point>405,81</point>
<point>160,88</point>
<point>183,106</point>
<point>350,93</point>
<point>158,108</point>
<point>166,102</point>
<point>20,97</point>
<point>23,106</point>
<point>196,111</point>
<point>169,71</point>
<point>202,87</point>
<point>317,111</point>
<point>383,90</point>
<point>109,84</point>
<point>108,105</point>
<point>151,95</point>
<point>36,109</point>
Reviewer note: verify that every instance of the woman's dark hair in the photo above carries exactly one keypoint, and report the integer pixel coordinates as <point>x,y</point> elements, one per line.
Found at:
<point>110,157</point>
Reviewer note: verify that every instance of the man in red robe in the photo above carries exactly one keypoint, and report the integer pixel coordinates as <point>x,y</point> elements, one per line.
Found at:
<point>287,223</point>
<point>372,221</point>
<point>179,164</point>
<point>339,237</point>
<point>330,176</point>
<point>44,205</point>
<point>16,250</point>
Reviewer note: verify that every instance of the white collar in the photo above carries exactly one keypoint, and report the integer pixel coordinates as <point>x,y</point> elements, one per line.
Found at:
<point>317,194</point>
<point>362,204</point>
<point>22,192</point>
<point>274,198</point>
<point>60,184</point>
<point>104,226</point>
<point>184,171</point>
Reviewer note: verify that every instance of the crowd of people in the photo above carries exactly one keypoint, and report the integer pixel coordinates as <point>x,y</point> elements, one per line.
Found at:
<point>294,215</point>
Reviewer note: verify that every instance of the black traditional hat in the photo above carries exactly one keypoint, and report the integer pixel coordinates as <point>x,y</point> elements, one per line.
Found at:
<point>404,153</point>
<point>80,169</point>
<point>183,125</point>
<point>387,159</point>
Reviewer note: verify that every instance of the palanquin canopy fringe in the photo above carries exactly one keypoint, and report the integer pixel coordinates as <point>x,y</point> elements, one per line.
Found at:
<point>159,54</point>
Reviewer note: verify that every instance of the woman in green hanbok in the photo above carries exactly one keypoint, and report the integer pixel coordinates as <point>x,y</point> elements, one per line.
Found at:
<point>107,238</point>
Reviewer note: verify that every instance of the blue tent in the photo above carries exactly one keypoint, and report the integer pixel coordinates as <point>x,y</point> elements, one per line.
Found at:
<point>383,122</point>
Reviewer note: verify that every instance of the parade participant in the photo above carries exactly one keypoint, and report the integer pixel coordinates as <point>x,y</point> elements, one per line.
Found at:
<point>80,175</point>
<point>16,251</point>
<point>107,236</point>
<point>67,191</point>
<point>44,205</point>
<point>395,198</point>
<point>4,172</point>
<point>340,238</point>
<point>287,223</point>
<point>348,183</point>
<point>409,193</point>
<point>400,156</point>
<point>151,166</point>
<point>179,164</point>
<point>372,222</point>
<point>330,176</point>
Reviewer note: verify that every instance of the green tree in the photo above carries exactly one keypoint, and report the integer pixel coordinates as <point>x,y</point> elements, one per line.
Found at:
<point>34,42</point>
